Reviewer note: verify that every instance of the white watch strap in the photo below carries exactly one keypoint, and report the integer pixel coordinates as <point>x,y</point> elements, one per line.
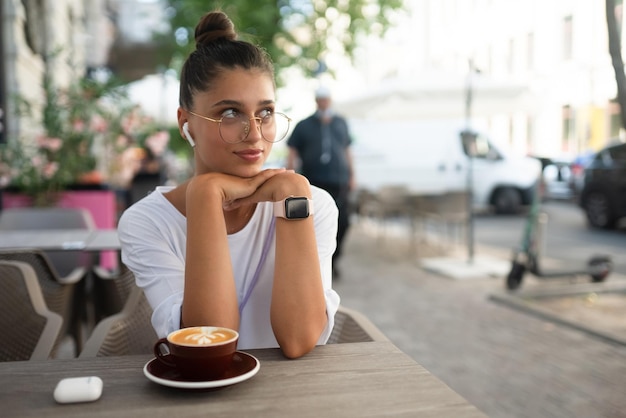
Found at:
<point>279,208</point>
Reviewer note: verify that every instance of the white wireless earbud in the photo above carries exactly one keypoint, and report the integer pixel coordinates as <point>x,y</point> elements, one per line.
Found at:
<point>188,135</point>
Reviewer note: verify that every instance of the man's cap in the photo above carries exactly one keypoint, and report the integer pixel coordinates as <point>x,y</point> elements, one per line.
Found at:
<point>322,92</point>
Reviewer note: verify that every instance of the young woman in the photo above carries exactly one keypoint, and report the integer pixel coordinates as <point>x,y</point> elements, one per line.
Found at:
<point>236,245</point>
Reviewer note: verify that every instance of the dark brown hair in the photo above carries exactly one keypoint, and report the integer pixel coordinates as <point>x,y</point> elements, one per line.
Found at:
<point>217,50</point>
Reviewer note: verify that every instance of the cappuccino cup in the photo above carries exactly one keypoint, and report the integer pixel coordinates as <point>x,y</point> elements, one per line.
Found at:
<point>198,353</point>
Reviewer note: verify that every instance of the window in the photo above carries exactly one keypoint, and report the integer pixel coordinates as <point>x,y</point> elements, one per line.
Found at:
<point>484,149</point>
<point>530,51</point>
<point>618,154</point>
<point>529,133</point>
<point>568,125</point>
<point>567,37</point>
<point>511,57</point>
<point>34,26</point>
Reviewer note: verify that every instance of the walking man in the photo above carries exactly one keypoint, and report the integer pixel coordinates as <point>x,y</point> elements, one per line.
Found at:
<point>321,146</point>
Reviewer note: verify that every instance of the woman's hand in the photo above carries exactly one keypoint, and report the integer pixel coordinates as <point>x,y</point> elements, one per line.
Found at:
<point>274,188</point>
<point>231,188</point>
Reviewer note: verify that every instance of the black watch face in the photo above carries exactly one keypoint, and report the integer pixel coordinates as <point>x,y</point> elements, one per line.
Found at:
<point>297,208</point>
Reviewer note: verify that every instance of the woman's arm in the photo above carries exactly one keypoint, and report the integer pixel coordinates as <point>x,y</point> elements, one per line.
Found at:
<point>210,295</point>
<point>298,308</point>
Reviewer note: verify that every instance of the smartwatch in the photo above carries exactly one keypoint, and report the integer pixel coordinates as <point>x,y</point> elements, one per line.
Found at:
<point>294,208</point>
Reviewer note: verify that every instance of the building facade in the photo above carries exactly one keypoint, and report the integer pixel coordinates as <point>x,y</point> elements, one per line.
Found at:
<point>47,38</point>
<point>541,70</point>
<point>67,40</point>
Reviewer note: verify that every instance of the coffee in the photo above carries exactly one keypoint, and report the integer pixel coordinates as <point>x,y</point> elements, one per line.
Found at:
<point>201,336</point>
<point>199,353</point>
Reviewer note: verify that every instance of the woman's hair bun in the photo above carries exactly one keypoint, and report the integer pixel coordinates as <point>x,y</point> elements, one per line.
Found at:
<point>214,26</point>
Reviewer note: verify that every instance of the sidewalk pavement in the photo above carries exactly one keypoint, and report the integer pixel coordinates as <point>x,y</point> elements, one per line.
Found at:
<point>510,354</point>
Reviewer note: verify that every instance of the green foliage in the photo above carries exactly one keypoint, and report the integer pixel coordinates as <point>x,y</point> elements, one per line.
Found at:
<point>295,32</point>
<point>178,145</point>
<point>55,158</point>
<point>86,128</point>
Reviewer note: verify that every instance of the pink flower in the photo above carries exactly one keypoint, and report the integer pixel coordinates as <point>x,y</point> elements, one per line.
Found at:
<point>50,170</point>
<point>52,144</point>
<point>131,122</point>
<point>36,161</point>
<point>78,125</point>
<point>99,124</point>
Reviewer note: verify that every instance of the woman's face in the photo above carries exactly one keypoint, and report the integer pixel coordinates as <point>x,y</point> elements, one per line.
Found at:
<point>236,92</point>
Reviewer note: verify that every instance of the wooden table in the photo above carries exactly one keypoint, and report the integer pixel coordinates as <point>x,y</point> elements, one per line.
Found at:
<point>103,241</point>
<point>61,239</point>
<point>373,379</point>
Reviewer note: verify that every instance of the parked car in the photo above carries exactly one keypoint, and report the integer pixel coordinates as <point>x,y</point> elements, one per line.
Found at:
<point>603,195</point>
<point>555,178</point>
<point>437,156</point>
<point>577,170</point>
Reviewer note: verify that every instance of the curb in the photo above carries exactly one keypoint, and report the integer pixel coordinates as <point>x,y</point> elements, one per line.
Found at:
<point>522,301</point>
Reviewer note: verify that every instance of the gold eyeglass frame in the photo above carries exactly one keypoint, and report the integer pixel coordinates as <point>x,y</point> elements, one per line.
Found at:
<point>247,128</point>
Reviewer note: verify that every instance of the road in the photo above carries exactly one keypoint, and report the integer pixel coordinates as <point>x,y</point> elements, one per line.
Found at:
<point>507,362</point>
<point>568,240</point>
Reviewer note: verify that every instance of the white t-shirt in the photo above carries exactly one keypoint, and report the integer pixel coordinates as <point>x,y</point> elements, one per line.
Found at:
<point>153,237</point>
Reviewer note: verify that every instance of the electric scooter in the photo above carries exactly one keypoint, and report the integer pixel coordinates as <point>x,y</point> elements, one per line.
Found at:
<point>526,258</point>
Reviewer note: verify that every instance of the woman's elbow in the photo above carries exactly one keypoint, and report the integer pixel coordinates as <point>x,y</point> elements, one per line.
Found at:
<point>296,348</point>
<point>299,340</point>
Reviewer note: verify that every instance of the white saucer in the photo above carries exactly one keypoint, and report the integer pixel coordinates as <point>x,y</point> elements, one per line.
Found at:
<point>244,366</point>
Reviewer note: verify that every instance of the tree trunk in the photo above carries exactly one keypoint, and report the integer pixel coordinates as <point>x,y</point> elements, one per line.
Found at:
<point>615,49</point>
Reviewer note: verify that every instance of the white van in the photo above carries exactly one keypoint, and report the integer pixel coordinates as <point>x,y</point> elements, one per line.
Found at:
<point>429,157</point>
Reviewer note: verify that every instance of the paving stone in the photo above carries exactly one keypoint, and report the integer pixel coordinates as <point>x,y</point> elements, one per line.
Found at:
<point>507,362</point>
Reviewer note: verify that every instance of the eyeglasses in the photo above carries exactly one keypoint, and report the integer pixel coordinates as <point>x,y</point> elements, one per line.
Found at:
<point>234,127</point>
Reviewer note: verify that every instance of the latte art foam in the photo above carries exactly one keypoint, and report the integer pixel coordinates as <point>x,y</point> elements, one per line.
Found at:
<point>201,336</point>
<point>204,338</point>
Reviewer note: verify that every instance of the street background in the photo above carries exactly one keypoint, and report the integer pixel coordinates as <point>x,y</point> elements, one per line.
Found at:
<point>509,363</point>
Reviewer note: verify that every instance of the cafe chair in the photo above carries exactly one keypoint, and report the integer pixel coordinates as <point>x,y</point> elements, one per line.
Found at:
<point>58,292</point>
<point>111,290</point>
<point>352,326</point>
<point>440,216</point>
<point>390,206</point>
<point>29,329</point>
<point>390,211</point>
<point>143,184</point>
<point>131,332</point>
<point>128,332</point>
